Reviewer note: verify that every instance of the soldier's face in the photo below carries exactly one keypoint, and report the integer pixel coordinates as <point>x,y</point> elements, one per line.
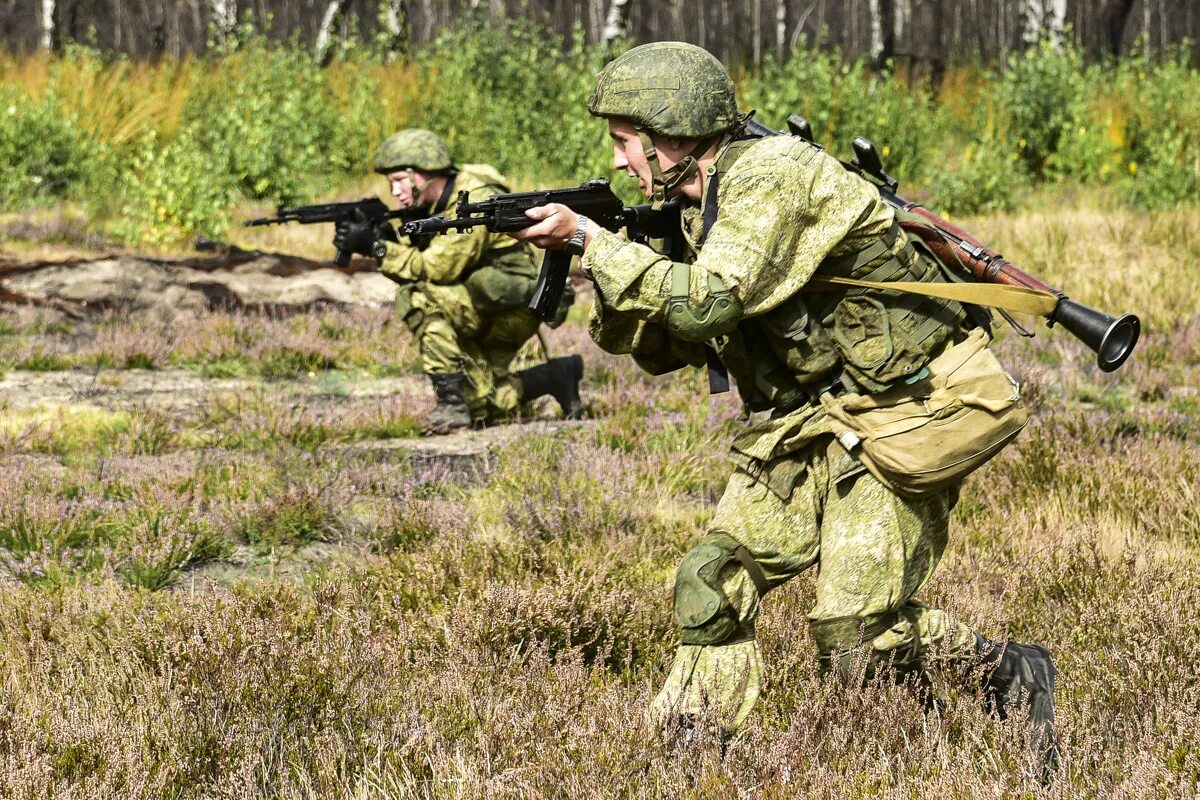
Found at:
<point>408,186</point>
<point>628,154</point>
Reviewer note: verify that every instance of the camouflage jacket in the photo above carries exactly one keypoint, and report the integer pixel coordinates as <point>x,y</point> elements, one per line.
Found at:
<point>787,212</point>
<point>449,258</point>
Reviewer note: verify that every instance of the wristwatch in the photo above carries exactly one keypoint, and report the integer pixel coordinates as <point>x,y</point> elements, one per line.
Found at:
<point>379,249</point>
<point>575,244</point>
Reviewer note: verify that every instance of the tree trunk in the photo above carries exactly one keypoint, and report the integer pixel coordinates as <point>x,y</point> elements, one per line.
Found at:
<point>1146,30</point>
<point>1116,15</point>
<point>617,25</point>
<point>780,29</point>
<point>883,34</point>
<point>1044,19</point>
<point>395,20</point>
<point>48,30</point>
<point>224,17</point>
<point>334,11</point>
<point>756,27</point>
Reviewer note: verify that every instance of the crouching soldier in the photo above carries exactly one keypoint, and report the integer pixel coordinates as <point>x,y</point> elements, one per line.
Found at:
<point>772,225</point>
<point>463,295</point>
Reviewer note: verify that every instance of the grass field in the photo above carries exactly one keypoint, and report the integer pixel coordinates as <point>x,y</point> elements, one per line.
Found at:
<point>214,591</point>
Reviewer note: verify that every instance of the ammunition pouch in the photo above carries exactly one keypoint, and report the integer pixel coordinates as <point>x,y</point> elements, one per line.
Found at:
<point>887,337</point>
<point>718,315</point>
<point>702,609</point>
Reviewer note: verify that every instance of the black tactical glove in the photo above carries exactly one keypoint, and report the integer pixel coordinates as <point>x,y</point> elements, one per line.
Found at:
<point>386,232</point>
<point>357,235</point>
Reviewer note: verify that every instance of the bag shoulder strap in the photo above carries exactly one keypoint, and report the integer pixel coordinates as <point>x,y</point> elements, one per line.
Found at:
<point>1019,299</point>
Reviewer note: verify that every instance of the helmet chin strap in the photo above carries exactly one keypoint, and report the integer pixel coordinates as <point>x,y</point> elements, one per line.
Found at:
<point>664,184</point>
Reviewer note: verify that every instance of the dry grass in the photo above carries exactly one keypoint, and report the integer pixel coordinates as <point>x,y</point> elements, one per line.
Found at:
<point>504,639</point>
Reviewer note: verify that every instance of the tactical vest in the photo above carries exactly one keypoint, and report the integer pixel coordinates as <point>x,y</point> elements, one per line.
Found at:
<point>857,339</point>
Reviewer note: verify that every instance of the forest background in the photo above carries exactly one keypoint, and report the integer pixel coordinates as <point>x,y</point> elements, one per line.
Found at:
<point>158,145</point>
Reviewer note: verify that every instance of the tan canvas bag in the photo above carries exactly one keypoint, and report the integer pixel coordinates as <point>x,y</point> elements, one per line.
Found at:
<point>920,438</point>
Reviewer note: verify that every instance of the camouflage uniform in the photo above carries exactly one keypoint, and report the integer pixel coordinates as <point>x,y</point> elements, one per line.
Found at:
<point>464,296</point>
<point>444,300</point>
<point>786,213</point>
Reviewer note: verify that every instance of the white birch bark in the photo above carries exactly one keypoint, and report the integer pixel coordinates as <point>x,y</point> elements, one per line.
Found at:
<point>757,32</point>
<point>47,24</point>
<point>224,16</point>
<point>876,15</point>
<point>333,10</point>
<point>1044,19</point>
<point>780,28</point>
<point>900,17</point>
<point>617,24</point>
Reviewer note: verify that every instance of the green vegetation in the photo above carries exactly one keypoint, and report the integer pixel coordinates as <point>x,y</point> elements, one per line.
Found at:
<point>230,591</point>
<point>160,152</point>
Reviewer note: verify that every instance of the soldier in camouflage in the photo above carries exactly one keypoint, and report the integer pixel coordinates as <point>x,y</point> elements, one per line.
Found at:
<point>464,295</point>
<point>762,218</point>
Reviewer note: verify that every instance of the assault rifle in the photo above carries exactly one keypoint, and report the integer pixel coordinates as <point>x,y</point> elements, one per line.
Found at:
<point>505,213</point>
<point>1111,339</point>
<point>369,209</point>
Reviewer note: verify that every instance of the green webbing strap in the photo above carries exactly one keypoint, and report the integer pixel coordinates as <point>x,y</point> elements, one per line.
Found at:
<point>836,634</point>
<point>1018,299</point>
<point>752,569</point>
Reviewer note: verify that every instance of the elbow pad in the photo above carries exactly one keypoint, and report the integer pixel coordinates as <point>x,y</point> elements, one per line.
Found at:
<point>718,315</point>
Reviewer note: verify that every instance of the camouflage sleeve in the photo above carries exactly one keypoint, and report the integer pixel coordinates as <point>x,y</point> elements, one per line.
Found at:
<point>784,206</point>
<point>443,261</point>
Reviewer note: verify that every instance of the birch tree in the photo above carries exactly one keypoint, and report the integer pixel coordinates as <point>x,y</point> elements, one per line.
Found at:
<point>47,20</point>
<point>394,19</point>
<point>335,10</point>
<point>780,28</point>
<point>224,17</point>
<point>883,33</point>
<point>617,25</point>
<point>1044,19</point>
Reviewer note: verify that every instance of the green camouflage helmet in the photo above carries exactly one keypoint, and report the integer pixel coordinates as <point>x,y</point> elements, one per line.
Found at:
<point>416,148</point>
<point>669,88</point>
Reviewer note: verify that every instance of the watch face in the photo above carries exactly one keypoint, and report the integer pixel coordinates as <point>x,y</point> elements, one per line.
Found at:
<point>379,250</point>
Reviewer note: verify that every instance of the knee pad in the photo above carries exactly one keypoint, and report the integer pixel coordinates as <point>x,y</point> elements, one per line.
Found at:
<point>702,609</point>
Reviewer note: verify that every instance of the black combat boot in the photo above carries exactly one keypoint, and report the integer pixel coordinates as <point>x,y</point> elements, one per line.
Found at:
<point>558,377</point>
<point>451,412</point>
<point>1022,673</point>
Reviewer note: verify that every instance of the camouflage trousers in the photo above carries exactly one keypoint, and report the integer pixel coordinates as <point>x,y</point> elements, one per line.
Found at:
<point>875,552</point>
<point>454,336</point>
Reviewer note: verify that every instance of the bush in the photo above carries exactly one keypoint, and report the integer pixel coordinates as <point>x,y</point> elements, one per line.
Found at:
<point>510,95</point>
<point>843,100</point>
<point>1164,136</point>
<point>42,153</point>
<point>169,192</point>
<point>1039,94</point>
<point>266,120</point>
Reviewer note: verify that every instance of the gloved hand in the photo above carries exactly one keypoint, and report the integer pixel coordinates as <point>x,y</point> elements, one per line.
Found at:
<point>386,232</point>
<point>356,235</point>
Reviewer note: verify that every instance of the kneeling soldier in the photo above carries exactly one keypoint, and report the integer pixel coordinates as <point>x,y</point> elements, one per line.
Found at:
<point>464,295</point>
